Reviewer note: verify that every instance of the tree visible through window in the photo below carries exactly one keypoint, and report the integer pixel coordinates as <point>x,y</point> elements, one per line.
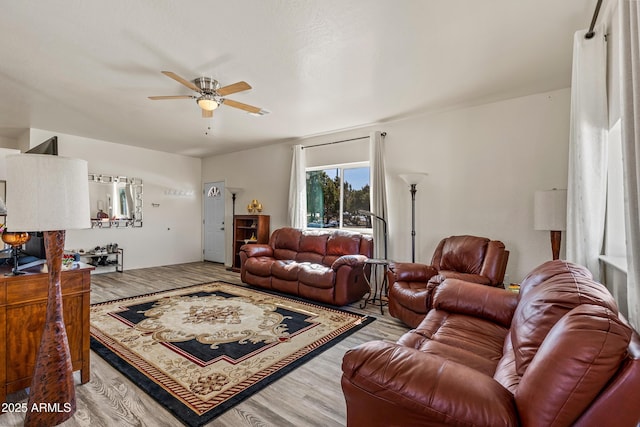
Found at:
<point>334,196</point>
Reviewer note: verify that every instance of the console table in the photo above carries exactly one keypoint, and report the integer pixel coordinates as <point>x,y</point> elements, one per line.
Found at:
<point>23,303</point>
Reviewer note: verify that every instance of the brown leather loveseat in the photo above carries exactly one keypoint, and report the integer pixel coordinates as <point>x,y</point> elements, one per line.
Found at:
<point>325,266</point>
<point>556,354</point>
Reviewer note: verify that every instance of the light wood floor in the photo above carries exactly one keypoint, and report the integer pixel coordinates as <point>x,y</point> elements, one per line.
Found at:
<point>309,396</point>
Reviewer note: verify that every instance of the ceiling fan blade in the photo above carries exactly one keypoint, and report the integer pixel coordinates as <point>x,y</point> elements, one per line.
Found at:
<point>240,105</point>
<point>181,80</point>
<point>206,114</point>
<point>234,88</point>
<point>156,98</point>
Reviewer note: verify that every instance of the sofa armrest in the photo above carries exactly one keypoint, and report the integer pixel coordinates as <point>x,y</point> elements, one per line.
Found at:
<point>467,277</point>
<point>350,260</point>
<point>425,385</point>
<point>257,249</point>
<point>410,272</point>
<point>473,299</point>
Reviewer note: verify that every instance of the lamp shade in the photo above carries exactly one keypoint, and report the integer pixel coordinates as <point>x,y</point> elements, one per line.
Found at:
<point>47,193</point>
<point>550,210</point>
<point>234,190</point>
<point>412,178</point>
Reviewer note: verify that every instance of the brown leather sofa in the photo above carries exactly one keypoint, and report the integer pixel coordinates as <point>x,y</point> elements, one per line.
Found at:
<point>470,258</point>
<point>325,266</point>
<point>556,354</point>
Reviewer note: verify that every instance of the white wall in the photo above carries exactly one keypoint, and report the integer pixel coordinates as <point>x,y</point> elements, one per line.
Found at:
<point>172,232</point>
<point>484,164</point>
<point>262,174</point>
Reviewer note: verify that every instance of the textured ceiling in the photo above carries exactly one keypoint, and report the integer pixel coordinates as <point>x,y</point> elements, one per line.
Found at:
<point>86,67</point>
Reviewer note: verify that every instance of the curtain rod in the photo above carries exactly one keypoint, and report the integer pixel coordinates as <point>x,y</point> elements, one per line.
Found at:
<point>591,33</point>
<point>344,140</point>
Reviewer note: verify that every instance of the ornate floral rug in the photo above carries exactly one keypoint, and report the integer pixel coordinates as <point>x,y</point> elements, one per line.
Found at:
<point>202,349</point>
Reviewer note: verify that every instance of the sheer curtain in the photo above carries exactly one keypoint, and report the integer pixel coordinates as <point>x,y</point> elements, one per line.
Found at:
<point>378,191</point>
<point>298,189</point>
<point>586,192</point>
<point>630,113</point>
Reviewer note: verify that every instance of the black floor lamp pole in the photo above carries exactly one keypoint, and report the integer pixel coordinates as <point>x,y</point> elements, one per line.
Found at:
<point>413,222</point>
<point>384,227</point>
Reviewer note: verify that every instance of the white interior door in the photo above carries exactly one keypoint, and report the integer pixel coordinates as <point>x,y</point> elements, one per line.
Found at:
<point>214,222</point>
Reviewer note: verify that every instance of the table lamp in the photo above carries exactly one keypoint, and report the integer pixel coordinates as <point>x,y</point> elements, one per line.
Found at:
<point>49,194</point>
<point>550,213</point>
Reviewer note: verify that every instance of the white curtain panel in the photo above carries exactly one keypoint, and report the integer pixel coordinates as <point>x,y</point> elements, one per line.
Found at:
<point>630,113</point>
<point>378,191</point>
<point>298,189</point>
<point>586,192</point>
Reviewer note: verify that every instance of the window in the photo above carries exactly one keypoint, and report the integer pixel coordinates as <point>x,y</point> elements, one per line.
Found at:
<point>335,194</point>
<point>614,229</point>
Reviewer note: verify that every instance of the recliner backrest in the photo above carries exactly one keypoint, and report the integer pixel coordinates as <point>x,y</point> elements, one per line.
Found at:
<point>473,255</point>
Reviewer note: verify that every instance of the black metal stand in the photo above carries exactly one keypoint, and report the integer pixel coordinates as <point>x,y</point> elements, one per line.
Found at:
<point>378,287</point>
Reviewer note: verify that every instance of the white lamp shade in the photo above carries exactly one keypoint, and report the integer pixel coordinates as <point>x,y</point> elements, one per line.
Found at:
<point>413,178</point>
<point>47,193</point>
<point>550,210</point>
<point>234,190</point>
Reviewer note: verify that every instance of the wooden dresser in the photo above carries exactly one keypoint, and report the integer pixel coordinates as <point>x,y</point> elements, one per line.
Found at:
<point>23,303</point>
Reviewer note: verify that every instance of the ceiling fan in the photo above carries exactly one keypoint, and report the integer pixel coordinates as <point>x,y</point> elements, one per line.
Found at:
<point>211,95</point>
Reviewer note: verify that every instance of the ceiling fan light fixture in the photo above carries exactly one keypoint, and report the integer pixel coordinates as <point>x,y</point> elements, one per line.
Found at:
<point>208,102</point>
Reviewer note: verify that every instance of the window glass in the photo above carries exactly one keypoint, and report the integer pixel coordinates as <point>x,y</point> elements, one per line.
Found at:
<point>615,230</point>
<point>334,196</point>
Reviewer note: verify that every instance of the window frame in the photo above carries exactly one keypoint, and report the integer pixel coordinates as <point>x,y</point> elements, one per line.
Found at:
<point>342,167</point>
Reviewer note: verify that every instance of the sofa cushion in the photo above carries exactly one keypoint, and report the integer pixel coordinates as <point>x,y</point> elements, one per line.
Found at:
<point>463,253</point>
<point>343,243</point>
<point>259,266</point>
<point>314,241</point>
<point>311,257</point>
<point>591,341</point>
<point>316,275</point>
<point>285,269</point>
<point>285,243</point>
<point>542,305</point>
<point>473,342</point>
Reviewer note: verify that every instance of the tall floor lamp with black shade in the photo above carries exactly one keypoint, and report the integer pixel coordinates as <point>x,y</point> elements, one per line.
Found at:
<point>50,194</point>
<point>413,179</point>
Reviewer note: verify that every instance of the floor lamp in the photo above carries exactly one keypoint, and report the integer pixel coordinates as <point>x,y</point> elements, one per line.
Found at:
<point>50,194</point>
<point>384,227</point>
<point>550,213</point>
<point>413,179</point>
<point>234,192</point>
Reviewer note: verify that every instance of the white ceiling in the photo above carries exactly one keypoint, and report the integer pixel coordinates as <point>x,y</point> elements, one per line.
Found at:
<point>86,67</point>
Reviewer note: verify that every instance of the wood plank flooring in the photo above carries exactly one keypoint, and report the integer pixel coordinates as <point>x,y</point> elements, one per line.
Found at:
<point>309,396</point>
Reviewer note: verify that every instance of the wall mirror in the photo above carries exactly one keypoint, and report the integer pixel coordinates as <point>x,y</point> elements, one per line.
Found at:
<point>115,201</point>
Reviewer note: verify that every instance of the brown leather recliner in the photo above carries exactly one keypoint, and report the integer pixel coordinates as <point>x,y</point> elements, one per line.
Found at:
<point>470,258</point>
<point>556,354</point>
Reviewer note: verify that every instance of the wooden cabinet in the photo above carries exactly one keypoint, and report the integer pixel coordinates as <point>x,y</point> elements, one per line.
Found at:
<point>248,229</point>
<point>23,304</point>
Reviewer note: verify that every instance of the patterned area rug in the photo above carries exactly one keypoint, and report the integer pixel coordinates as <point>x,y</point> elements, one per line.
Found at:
<point>202,349</point>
